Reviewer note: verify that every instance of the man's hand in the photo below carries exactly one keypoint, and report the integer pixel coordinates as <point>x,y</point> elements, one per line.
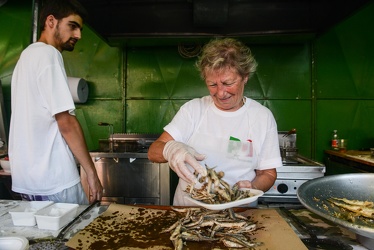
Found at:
<point>178,154</point>
<point>96,189</point>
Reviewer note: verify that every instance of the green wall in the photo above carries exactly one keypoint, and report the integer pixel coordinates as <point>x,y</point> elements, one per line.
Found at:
<point>160,80</point>
<point>101,66</point>
<point>314,84</point>
<point>344,80</point>
<point>15,35</point>
<point>94,60</point>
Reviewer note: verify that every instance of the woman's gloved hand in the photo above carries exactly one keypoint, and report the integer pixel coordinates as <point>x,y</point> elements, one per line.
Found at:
<point>178,154</point>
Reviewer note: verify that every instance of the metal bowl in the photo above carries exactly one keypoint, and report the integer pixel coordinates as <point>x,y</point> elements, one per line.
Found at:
<point>313,194</point>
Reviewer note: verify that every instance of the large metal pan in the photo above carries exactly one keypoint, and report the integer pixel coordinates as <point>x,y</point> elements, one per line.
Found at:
<point>314,193</point>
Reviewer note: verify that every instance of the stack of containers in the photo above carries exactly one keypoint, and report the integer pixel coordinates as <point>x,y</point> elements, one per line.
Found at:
<point>46,214</point>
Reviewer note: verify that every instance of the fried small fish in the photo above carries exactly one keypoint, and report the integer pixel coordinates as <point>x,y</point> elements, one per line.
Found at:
<point>358,207</point>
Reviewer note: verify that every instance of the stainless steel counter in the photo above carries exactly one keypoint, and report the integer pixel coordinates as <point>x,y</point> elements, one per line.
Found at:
<point>351,161</point>
<point>306,225</point>
<point>33,233</point>
<point>362,157</point>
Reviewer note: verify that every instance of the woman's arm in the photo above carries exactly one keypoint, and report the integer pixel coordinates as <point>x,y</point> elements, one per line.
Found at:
<point>264,180</point>
<point>155,151</point>
<point>177,154</point>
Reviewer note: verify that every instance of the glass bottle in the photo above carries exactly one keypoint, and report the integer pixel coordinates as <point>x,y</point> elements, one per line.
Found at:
<point>335,141</point>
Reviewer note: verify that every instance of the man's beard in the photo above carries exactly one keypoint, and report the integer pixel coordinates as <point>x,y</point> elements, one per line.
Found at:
<point>68,46</point>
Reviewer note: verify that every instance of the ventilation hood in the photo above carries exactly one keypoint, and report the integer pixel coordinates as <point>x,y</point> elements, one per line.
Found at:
<point>126,19</point>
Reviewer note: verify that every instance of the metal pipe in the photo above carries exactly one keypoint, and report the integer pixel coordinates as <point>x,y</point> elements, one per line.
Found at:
<point>2,2</point>
<point>34,23</point>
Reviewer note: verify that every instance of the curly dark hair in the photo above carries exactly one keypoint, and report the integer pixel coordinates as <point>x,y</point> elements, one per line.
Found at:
<point>221,53</point>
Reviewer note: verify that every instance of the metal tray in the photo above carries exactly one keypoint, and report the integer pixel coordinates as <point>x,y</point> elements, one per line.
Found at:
<point>313,195</point>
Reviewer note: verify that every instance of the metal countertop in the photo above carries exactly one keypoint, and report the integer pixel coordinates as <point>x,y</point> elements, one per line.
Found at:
<point>324,229</point>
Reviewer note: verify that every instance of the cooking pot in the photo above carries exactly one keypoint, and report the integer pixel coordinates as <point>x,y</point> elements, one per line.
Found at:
<point>314,193</point>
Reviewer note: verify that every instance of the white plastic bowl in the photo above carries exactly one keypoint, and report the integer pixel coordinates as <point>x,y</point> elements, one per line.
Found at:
<point>23,214</point>
<point>56,216</point>
<point>5,164</point>
<point>14,243</point>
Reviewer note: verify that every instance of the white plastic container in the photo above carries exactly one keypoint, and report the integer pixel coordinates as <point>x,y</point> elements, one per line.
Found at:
<point>56,216</point>
<point>14,243</point>
<point>23,214</point>
<point>5,164</point>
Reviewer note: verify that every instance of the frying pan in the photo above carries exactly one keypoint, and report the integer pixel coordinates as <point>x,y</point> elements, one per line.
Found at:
<point>314,193</point>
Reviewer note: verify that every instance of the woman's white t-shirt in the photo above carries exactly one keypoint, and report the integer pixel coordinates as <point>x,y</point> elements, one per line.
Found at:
<point>236,143</point>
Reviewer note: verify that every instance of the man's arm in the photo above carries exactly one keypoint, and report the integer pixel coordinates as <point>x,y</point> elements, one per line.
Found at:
<point>72,132</point>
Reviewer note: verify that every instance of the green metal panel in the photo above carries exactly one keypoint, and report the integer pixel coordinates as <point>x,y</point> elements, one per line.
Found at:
<point>345,70</point>
<point>345,55</point>
<point>354,120</point>
<point>150,116</point>
<point>92,59</point>
<point>295,114</point>
<point>284,72</point>
<point>157,72</point>
<point>159,81</point>
<point>15,35</point>
<point>101,66</point>
<point>161,73</point>
<point>344,83</point>
<point>98,110</point>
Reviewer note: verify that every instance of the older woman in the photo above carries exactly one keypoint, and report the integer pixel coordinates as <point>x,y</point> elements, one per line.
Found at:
<point>225,130</point>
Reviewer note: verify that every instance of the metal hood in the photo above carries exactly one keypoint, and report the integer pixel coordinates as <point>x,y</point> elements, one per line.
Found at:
<point>185,18</point>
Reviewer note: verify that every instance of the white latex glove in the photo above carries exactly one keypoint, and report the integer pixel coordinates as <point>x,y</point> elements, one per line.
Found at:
<point>178,154</point>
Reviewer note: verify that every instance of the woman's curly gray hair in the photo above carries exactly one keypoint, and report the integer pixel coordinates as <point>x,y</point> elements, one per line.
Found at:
<point>223,53</point>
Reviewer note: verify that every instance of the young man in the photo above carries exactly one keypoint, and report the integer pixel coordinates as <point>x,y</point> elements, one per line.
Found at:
<point>45,136</point>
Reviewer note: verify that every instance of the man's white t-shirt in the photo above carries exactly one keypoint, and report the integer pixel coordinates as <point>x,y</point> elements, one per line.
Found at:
<point>236,143</point>
<point>41,161</point>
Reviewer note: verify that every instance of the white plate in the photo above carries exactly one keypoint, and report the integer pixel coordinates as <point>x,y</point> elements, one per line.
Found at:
<point>14,243</point>
<point>257,193</point>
